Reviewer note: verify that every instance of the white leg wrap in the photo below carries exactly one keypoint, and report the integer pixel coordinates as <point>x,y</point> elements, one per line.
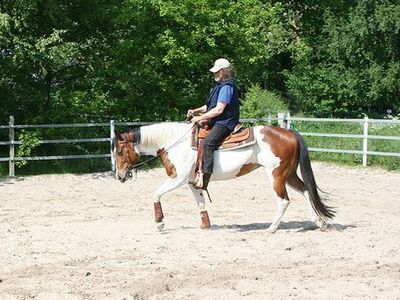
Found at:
<point>282,206</point>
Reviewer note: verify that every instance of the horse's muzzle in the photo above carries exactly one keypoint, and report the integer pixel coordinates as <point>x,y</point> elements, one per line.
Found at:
<point>128,175</point>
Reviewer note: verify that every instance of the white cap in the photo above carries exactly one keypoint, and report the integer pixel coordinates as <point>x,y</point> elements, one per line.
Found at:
<point>219,64</point>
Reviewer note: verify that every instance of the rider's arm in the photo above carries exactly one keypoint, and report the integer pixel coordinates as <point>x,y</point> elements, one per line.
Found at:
<point>215,112</point>
<point>197,111</point>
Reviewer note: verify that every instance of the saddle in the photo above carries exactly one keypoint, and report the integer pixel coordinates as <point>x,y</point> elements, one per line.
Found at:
<point>240,137</point>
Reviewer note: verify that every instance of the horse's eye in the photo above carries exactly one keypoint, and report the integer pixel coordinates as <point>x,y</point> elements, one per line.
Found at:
<point>120,152</point>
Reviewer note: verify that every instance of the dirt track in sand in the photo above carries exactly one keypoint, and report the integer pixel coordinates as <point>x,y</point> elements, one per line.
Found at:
<point>90,237</point>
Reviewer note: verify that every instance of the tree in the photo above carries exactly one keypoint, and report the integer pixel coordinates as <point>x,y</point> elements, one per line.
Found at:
<point>353,66</point>
<point>49,46</point>
<point>165,49</point>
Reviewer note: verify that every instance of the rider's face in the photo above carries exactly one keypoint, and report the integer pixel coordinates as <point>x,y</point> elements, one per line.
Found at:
<point>217,76</point>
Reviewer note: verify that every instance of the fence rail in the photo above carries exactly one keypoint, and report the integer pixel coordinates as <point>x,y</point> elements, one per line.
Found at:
<point>284,120</point>
<point>365,136</point>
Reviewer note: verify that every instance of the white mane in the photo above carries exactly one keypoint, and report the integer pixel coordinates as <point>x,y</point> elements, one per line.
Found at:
<point>163,135</point>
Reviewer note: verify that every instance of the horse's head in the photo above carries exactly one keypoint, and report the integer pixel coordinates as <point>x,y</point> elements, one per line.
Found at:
<point>125,154</point>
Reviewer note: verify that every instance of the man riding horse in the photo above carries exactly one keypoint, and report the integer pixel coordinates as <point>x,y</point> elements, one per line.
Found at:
<point>221,113</point>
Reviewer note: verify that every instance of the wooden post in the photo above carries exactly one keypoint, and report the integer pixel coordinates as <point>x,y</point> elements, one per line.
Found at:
<point>112,135</point>
<point>11,165</point>
<point>365,142</point>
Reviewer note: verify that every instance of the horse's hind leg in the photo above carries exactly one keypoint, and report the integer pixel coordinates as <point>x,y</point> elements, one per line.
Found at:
<point>198,194</point>
<point>282,201</point>
<point>297,184</point>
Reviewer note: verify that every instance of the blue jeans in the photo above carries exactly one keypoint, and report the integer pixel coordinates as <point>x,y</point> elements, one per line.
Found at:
<point>213,140</point>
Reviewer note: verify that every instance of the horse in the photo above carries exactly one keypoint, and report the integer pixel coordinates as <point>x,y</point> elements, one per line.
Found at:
<point>280,151</point>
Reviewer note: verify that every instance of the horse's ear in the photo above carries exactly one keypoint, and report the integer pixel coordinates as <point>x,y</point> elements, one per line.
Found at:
<point>118,135</point>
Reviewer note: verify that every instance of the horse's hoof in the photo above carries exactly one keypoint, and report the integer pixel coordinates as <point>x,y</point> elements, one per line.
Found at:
<point>325,227</point>
<point>160,226</point>
<point>205,226</point>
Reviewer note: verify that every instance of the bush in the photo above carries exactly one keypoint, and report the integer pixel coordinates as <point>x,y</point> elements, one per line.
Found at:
<point>258,103</point>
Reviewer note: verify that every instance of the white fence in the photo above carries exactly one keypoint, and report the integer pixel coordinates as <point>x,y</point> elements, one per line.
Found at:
<point>365,136</point>
<point>284,120</point>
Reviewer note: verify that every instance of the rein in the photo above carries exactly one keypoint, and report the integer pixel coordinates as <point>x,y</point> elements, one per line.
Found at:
<point>135,167</point>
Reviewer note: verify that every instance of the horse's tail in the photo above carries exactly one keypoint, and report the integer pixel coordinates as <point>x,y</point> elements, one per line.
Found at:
<point>321,209</point>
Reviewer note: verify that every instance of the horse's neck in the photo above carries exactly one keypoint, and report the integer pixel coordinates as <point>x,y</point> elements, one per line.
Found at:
<point>162,136</point>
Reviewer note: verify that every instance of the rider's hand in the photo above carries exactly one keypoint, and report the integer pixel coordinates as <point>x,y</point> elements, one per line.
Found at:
<point>196,119</point>
<point>199,121</point>
<point>189,113</point>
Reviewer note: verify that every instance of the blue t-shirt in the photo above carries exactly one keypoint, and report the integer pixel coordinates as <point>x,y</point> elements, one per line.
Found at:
<point>225,92</point>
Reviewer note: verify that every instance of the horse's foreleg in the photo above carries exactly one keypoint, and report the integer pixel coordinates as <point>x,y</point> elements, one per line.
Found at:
<point>198,194</point>
<point>169,185</point>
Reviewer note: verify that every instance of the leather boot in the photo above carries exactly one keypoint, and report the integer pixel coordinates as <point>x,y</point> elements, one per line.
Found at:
<point>203,181</point>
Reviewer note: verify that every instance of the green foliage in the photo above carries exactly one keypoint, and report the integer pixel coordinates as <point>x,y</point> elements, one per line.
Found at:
<point>168,61</point>
<point>352,66</point>
<point>92,60</point>
<point>131,60</point>
<point>259,103</point>
<point>48,47</point>
<point>29,140</point>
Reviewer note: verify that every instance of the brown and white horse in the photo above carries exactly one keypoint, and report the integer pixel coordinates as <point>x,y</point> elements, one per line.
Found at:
<point>280,151</point>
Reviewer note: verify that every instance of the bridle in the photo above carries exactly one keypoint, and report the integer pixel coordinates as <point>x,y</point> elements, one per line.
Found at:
<point>125,143</point>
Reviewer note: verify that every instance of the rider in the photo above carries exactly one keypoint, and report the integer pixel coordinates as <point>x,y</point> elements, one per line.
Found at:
<point>221,113</point>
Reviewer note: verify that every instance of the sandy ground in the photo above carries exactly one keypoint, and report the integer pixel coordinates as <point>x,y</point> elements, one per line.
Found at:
<point>91,237</point>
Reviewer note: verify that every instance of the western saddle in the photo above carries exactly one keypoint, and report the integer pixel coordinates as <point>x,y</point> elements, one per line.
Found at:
<point>240,137</point>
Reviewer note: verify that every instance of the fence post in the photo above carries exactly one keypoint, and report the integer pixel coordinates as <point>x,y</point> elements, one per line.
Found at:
<point>365,142</point>
<point>112,135</point>
<point>284,119</point>
<point>269,119</point>
<point>281,118</point>
<point>11,134</point>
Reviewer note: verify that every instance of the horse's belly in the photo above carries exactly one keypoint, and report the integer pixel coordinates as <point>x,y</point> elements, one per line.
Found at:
<point>228,164</point>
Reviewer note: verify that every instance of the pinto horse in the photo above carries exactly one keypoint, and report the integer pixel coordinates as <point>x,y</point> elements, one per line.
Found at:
<point>280,151</point>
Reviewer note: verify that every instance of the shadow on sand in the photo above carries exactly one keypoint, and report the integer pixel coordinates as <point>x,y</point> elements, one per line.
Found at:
<point>301,226</point>
<point>10,180</point>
